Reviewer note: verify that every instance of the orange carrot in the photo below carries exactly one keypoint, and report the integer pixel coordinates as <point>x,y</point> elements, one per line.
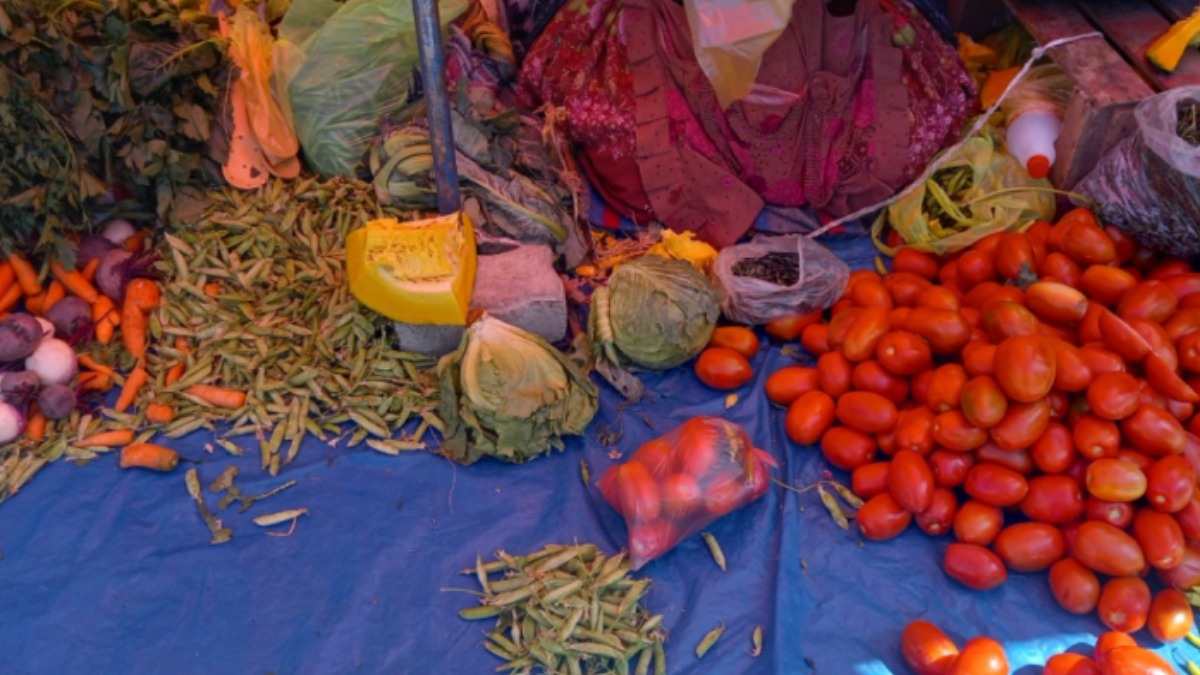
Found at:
<point>143,293</point>
<point>133,384</point>
<point>137,241</point>
<point>89,271</point>
<point>75,282</point>
<point>33,303</point>
<point>212,289</point>
<point>26,275</point>
<point>55,292</point>
<point>149,456</point>
<point>88,362</point>
<point>160,413</point>
<point>36,428</point>
<point>7,275</point>
<point>218,397</point>
<point>10,298</point>
<point>133,328</point>
<point>96,382</point>
<point>107,439</point>
<point>104,331</point>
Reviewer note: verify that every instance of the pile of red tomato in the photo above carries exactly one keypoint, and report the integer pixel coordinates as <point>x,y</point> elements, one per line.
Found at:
<point>929,651</point>
<point>1030,396</point>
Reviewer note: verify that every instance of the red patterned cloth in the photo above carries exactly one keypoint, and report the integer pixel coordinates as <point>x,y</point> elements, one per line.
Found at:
<point>841,115</point>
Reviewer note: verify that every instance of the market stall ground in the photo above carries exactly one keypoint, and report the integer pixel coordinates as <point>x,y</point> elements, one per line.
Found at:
<point>112,572</point>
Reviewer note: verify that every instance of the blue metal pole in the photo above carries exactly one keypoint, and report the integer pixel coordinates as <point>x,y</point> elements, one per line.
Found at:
<point>433,75</point>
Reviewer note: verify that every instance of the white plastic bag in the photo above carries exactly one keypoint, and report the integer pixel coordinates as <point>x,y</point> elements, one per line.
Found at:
<point>730,38</point>
<point>821,277</point>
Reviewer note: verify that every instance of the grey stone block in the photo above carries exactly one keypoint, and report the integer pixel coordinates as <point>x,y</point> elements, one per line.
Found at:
<point>518,286</point>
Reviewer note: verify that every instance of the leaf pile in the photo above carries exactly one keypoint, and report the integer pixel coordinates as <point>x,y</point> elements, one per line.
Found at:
<point>96,94</point>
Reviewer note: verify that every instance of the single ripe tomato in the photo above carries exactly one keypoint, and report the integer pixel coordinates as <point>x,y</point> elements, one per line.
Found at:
<point>1187,575</point>
<point>903,353</point>
<point>1151,300</point>
<point>638,492</point>
<point>1054,499</point>
<point>787,384</point>
<point>1075,587</point>
<point>1170,484</point>
<point>920,386</point>
<point>1114,396</point>
<point>1188,518</point>
<point>738,338</point>
<point>982,402</point>
<point>1071,371</point>
<point>1056,302</point>
<point>1171,616</point>
<point>1013,255</point>
<point>939,517</point>
<point>914,431</point>
<point>974,567</point>
<point>882,518</point>
<point>1002,319</point>
<point>1025,367</point>
<point>910,480</point>
<point>996,485</point>
<point>981,656</point>
<point>1060,268</point>
<point>867,412</point>
<point>848,449</point>
<point>1096,438</point>
<point>1106,285</point>
<point>1087,244</point>
<point>1124,604</point>
<point>927,650</point>
<point>815,339</point>
<point>834,373</point>
<point>977,523</point>
<point>1117,514</point>
<point>950,468</point>
<point>1136,661</point>
<point>945,330</point>
<point>905,287</point>
<point>790,327</point>
<point>1154,431</point>
<point>1163,376</point>
<point>809,417</point>
<point>974,268</point>
<point>723,369</point>
<point>1054,451</point>
<point>864,334</point>
<point>1122,338</point>
<point>945,387</point>
<point>1022,426</point>
<point>839,324</point>
<point>1069,663</point>
<point>1030,547</point>
<point>951,430</point>
<point>869,480</point>
<point>1108,550</point>
<point>1017,460</point>
<point>1115,480</point>
<point>938,297</point>
<point>870,293</point>
<point>1160,537</point>
<point>1100,359</point>
<point>979,358</point>
<point>1109,641</point>
<point>915,262</point>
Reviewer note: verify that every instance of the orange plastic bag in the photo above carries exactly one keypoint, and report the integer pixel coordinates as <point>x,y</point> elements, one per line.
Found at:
<point>677,484</point>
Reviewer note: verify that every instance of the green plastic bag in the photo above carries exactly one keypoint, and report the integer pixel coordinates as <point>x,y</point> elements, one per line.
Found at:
<point>1000,196</point>
<point>346,67</point>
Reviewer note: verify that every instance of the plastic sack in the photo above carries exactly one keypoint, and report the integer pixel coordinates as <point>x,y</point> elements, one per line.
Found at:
<point>1149,184</point>
<point>730,38</point>
<point>998,195</point>
<point>821,277</point>
<point>347,66</point>
<point>677,484</point>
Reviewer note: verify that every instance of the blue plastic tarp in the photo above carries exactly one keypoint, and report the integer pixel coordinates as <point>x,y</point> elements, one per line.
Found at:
<point>109,571</point>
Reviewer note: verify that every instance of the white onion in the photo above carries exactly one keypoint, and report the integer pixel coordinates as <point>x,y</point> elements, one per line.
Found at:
<point>47,328</point>
<point>12,422</point>
<point>54,362</point>
<point>117,231</point>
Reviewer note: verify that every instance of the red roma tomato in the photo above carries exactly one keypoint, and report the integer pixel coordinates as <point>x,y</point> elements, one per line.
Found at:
<point>926,648</point>
<point>638,492</point>
<point>809,417</point>
<point>1100,360</point>
<point>1126,246</point>
<point>1057,500</point>
<point>1160,342</point>
<point>788,384</point>
<point>1107,550</point>
<point>723,369</point>
<point>1124,604</point>
<point>1162,376</point>
<point>1139,459</point>
<point>974,268</point>
<point>1187,575</point>
<point>1150,300</point>
<point>1117,514</point>
<point>1089,328</point>
<point>869,480</point>
<point>977,523</point>
<point>834,373</point>
<point>881,518</point>
<point>1188,518</point>
<point>910,480</point>
<point>938,297</point>
<point>981,295</point>
<point>1154,431</point>
<point>1170,616</point>
<point>840,324</point>
<point>945,330</point>
<point>1183,322</point>
<point>981,656</point>
<point>867,412</point>
<point>1160,537</point>
<point>905,287</point>
<point>738,338</point>
<point>1055,302</point>
<point>1109,641</point>
<point>815,339</point>
<point>975,567</point>
<point>1169,268</point>
<point>1054,452</point>
<point>870,293</point>
<point>1069,663</point>
<point>1012,255</point>
<point>979,358</point>
<point>847,449</point>
<point>982,402</point>
<point>864,334</point>
<point>951,430</point>
<point>1075,587</point>
<point>1071,372</point>
<point>914,431</point>
<point>1022,425</point>
<point>1030,547</point>
<point>1087,244</point>
<point>995,485</point>
<point>873,377</point>
<point>1096,438</point>
<point>920,386</point>
<point>939,517</point>
<point>856,275</point>
<point>1170,484</point>
<point>1189,352</point>
<point>1017,460</point>
<point>903,353</point>
<point>1113,480</point>
<point>1114,396</point>
<point>1025,368</point>
<point>1060,268</point>
<point>945,387</point>
<point>1121,338</point>
<point>1106,285</point>
<point>915,262</point>
<point>950,468</point>
<point>789,328</point>
<point>887,442</point>
<point>681,495</point>
<point>898,316</point>
<point>1003,319</point>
